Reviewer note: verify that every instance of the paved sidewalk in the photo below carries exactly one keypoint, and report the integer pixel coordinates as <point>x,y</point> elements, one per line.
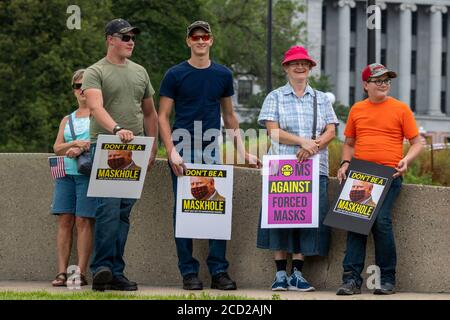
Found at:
<point>248,292</point>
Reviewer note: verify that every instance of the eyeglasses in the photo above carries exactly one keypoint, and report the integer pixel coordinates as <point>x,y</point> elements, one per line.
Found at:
<point>379,82</point>
<point>125,37</point>
<point>76,86</point>
<point>204,37</point>
<point>298,63</point>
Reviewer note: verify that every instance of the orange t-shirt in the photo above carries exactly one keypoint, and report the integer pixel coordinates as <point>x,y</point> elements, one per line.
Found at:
<point>379,130</point>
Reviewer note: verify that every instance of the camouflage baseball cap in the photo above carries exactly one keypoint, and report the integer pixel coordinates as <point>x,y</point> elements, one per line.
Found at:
<point>376,70</point>
<point>198,24</point>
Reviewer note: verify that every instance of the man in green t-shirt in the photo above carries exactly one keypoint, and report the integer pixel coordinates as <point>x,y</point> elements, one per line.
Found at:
<point>120,97</point>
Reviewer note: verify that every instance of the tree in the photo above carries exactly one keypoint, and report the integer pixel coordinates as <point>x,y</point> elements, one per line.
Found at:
<point>35,75</point>
<point>163,24</point>
<point>241,35</point>
<point>39,52</point>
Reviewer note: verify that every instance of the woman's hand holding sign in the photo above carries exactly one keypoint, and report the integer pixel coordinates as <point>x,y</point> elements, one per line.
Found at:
<point>311,146</point>
<point>74,152</point>
<point>308,149</point>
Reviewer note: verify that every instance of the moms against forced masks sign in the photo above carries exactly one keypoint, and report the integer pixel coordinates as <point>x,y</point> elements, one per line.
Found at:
<point>290,193</point>
<point>204,202</point>
<point>119,169</point>
<point>360,197</point>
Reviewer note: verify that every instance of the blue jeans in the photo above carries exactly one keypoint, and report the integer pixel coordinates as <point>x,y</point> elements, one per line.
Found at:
<point>187,264</point>
<point>111,232</point>
<point>383,236</point>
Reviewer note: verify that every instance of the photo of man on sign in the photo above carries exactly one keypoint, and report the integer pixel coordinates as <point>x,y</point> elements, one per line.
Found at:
<point>121,159</point>
<point>202,211</point>
<point>203,188</point>
<point>361,192</point>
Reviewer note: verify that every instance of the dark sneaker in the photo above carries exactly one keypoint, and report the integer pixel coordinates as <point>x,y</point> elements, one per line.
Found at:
<point>222,281</point>
<point>192,282</point>
<point>296,282</point>
<point>348,288</point>
<point>387,288</point>
<point>101,279</point>
<point>281,281</point>
<point>121,283</point>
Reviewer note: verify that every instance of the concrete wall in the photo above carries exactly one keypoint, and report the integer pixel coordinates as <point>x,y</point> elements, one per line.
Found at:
<point>27,232</point>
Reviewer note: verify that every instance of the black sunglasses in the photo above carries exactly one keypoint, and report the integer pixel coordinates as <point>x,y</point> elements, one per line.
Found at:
<point>125,37</point>
<point>76,85</point>
<point>379,82</point>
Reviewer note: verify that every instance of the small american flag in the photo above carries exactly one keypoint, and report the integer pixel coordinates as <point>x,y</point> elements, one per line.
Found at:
<point>57,166</point>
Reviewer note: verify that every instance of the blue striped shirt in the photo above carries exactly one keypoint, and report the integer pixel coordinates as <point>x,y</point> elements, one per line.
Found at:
<point>295,115</point>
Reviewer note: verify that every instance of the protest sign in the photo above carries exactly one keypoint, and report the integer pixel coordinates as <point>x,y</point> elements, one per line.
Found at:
<point>204,202</point>
<point>360,197</point>
<point>290,193</point>
<point>119,169</point>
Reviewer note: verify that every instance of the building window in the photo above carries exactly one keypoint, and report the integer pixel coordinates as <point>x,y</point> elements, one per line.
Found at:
<point>383,21</point>
<point>322,58</point>
<point>245,90</point>
<point>443,101</point>
<point>444,24</point>
<point>324,18</point>
<point>352,59</point>
<point>414,23</point>
<point>444,64</point>
<point>413,61</point>
<point>383,57</point>
<point>351,97</point>
<point>353,19</point>
<point>413,100</point>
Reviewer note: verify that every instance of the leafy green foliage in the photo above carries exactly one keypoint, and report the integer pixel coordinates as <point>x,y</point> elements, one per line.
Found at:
<point>430,167</point>
<point>240,31</point>
<point>162,43</point>
<point>39,54</point>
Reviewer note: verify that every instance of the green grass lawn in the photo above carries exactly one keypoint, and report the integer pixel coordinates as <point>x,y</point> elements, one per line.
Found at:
<point>90,295</point>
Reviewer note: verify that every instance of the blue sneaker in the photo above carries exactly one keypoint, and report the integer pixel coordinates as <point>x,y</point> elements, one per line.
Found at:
<point>296,282</point>
<point>280,283</point>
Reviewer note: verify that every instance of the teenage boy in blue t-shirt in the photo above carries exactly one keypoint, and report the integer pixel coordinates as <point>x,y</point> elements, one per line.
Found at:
<point>200,90</point>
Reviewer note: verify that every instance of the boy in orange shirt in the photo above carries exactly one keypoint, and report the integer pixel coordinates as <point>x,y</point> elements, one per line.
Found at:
<point>374,132</point>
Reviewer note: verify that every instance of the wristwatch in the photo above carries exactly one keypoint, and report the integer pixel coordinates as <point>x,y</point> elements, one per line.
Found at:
<point>117,128</point>
<point>343,161</point>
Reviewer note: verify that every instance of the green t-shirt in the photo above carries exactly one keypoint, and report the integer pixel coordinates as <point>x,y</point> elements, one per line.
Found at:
<point>123,89</point>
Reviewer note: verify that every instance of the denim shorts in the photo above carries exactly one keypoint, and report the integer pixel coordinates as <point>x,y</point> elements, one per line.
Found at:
<point>70,196</point>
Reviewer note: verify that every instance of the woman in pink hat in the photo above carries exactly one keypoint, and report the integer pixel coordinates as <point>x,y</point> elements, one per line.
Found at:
<point>288,115</point>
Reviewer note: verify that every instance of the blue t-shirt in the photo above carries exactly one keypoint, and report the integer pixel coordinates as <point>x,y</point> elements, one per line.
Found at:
<point>196,94</point>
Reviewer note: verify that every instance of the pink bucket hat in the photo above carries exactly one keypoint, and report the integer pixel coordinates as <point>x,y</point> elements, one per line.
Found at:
<point>297,53</point>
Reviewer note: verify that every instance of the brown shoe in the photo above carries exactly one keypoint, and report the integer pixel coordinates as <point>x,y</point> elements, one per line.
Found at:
<point>83,280</point>
<point>60,280</point>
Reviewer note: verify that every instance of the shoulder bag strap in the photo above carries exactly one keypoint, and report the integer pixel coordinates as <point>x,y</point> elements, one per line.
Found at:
<point>72,131</point>
<point>315,116</point>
